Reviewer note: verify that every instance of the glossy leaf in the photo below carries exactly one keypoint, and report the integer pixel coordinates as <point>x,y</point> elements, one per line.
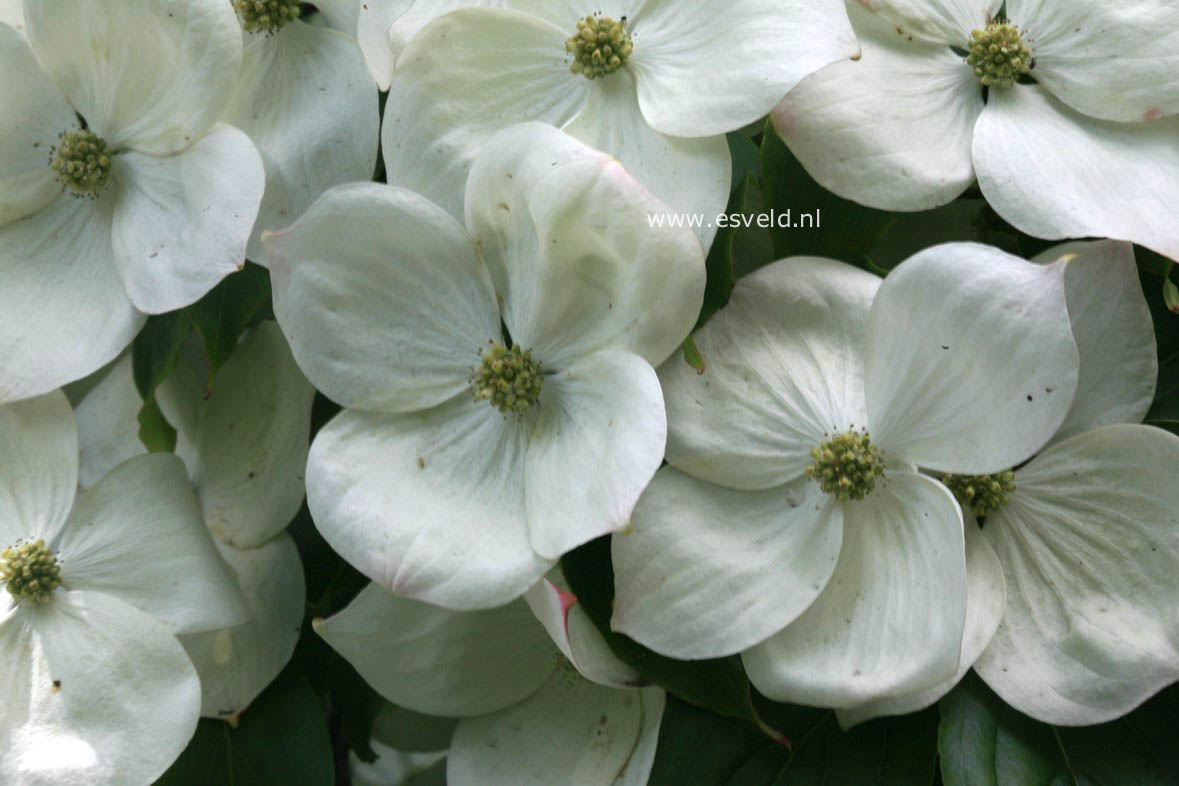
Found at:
<point>281,739</point>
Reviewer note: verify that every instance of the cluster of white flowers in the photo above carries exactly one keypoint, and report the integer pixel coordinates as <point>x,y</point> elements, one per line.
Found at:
<point>863,487</point>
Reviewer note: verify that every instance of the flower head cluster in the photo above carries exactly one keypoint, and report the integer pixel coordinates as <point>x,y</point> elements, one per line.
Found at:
<point>849,489</point>
<point>1063,110</point>
<point>94,588</point>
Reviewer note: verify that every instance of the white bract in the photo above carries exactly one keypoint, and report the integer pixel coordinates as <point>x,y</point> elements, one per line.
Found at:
<point>145,208</point>
<point>541,698</point>
<point>1089,539</point>
<point>668,81</point>
<point>1088,150</point>
<point>468,460</point>
<point>244,444</point>
<point>792,526</point>
<point>12,14</point>
<point>1086,532</point>
<point>94,586</point>
<point>305,98</point>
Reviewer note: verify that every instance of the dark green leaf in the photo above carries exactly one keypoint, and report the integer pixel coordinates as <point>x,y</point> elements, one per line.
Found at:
<point>221,316</point>
<point>1137,750</point>
<point>692,355</point>
<point>1165,410</point>
<point>719,265</point>
<point>719,685</point>
<point>984,742</point>
<point>808,219</point>
<point>969,218</point>
<point>700,748</point>
<point>153,356</point>
<point>746,159</point>
<point>155,350</point>
<point>886,752</point>
<point>155,432</point>
<point>281,739</point>
<point>763,767</point>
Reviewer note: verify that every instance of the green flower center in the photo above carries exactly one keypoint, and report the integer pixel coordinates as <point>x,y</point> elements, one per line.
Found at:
<point>266,16</point>
<point>600,46</point>
<point>30,571</point>
<point>847,465</point>
<point>82,161</point>
<point>981,493</point>
<point>509,378</point>
<point>999,55</point>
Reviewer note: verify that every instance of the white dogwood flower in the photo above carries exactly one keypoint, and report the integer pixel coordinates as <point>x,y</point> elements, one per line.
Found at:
<point>94,586</point>
<point>1088,540</point>
<point>305,98</point>
<point>1075,136</point>
<point>469,457</point>
<point>142,209</point>
<point>651,82</point>
<point>540,697</point>
<point>1050,662</point>
<point>792,526</point>
<point>244,445</point>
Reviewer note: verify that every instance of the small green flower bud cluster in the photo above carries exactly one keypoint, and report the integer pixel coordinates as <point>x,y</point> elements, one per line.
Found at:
<point>981,493</point>
<point>82,161</point>
<point>509,378</point>
<point>999,55</point>
<point>30,571</point>
<point>847,465</point>
<point>266,16</point>
<point>599,47</point>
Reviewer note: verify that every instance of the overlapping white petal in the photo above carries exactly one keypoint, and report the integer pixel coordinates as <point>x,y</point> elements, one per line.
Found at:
<point>693,174</point>
<point>1055,173</point>
<point>1116,61</point>
<point>305,99</point>
<point>723,64</point>
<point>12,14</point>
<point>35,113</point>
<point>571,629</point>
<point>85,683</point>
<point>181,221</point>
<point>108,429</point>
<point>138,535</point>
<point>148,75</point>
<point>891,618</point>
<point>66,312</point>
<point>1114,333</point>
<point>38,468</point>
<point>237,663</point>
<point>986,597</point>
<point>570,731</point>
<point>383,298</point>
<point>708,571</point>
<point>385,28</point>
<point>592,452</point>
<point>787,350</point>
<point>1089,545</point>
<point>946,22</point>
<point>952,380</point>
<point>248,454</point>
<point>565,235</point>
<point>430,504</point>
<point>432,660</point>
<point>892,130</point>
<point>428,143</point>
